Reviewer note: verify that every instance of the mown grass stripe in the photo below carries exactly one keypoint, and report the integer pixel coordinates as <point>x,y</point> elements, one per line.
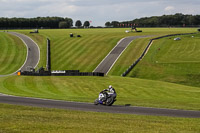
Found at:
<point>13,88</point>
<point>13,54</point>
<point>66,53</point>
<point>42,85</point>
<point>61,53</point>
<point>59,47</point>
<point>3,46</point>
<point>4,42</point>
<point>70,55</point>
<point>76,52</point>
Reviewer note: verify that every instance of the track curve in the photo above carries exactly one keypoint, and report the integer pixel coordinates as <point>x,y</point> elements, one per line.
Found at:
<point>33,51</point>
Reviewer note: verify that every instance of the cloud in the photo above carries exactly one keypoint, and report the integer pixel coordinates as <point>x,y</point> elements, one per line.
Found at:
<point>61,9</point>
<point>169,8</point>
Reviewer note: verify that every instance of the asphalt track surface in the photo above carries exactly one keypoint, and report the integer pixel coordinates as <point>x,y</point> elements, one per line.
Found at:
<point>33,59</point>
<point>96,108</point>
<point>115,53</point>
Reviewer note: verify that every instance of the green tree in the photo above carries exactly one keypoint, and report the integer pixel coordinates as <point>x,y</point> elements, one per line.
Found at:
<point>78,23</point>
<point>86,24</point>
<point>69,22</point>
<point>107,24</point>
<point>115,24</point>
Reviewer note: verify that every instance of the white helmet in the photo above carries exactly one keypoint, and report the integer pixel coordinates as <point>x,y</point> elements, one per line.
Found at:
<point>110,86</point>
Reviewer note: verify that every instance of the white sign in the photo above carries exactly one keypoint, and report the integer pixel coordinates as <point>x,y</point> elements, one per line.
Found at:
<point>57,71</point>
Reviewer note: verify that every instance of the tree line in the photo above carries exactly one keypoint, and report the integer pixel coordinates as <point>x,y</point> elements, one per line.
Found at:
<point>39,22</point>
<point>176,20</point>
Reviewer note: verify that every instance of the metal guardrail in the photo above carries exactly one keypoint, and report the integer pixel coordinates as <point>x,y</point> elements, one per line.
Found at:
<point>67,73</point>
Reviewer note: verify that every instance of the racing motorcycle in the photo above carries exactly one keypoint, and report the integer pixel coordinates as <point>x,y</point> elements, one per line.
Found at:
<point>105,99</point>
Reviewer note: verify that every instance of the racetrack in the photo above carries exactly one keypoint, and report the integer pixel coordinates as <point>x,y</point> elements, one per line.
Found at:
<point>107,63</point>
<point>97,108</point>
<point>33,59</point>
<point>33,51</point>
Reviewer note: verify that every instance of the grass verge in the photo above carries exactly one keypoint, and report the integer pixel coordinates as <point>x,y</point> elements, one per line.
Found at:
<point>31,119</point>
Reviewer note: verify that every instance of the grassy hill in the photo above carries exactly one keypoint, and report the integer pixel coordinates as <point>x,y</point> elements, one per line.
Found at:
<point>82,53</point>
<point>172,61</point>
<point>87,52</point>
<point>12,53</point>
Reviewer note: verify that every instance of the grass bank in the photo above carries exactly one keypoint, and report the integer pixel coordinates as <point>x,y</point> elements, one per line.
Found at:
<point>172,61</point>
<point>30,119</point>
<point>12,53</point>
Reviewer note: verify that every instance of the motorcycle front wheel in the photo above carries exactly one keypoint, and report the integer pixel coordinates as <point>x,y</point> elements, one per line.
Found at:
<point>96,102</point>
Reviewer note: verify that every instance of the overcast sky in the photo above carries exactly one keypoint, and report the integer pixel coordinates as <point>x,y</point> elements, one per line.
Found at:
<point>97,11</point>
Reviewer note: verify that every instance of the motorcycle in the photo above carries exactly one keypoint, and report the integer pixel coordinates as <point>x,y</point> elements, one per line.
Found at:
<point>105,99</point>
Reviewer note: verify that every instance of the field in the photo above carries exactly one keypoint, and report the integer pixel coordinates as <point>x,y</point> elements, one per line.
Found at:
<point>167,77</point>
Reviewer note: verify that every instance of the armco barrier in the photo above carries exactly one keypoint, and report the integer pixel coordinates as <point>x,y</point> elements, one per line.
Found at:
<point>66,73</point>
<point>143,54</point>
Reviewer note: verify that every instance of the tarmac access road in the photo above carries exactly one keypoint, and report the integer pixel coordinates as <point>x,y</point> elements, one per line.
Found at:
<point>108,62</point>
<point>36,102</point>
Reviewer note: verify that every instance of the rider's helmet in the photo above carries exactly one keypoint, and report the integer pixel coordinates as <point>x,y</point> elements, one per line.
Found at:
<point>110,86</point>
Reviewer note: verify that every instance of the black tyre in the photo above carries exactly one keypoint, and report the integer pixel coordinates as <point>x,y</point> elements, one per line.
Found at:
<point>109,101</point>
<point>96,102</point>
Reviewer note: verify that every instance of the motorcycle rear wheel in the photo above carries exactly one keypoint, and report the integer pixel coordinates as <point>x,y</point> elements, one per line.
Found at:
<point>109,101</point>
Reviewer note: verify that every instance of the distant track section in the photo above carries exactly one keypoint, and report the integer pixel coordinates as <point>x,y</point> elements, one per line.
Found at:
<point>108,62</point>
<point>33,51</point>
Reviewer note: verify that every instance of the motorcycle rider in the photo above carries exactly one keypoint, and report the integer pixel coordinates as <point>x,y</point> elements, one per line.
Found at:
<point>111,91</point>
<point>106,94</point>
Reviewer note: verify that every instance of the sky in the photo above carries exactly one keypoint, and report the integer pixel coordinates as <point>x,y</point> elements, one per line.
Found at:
<point>97,11</point>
